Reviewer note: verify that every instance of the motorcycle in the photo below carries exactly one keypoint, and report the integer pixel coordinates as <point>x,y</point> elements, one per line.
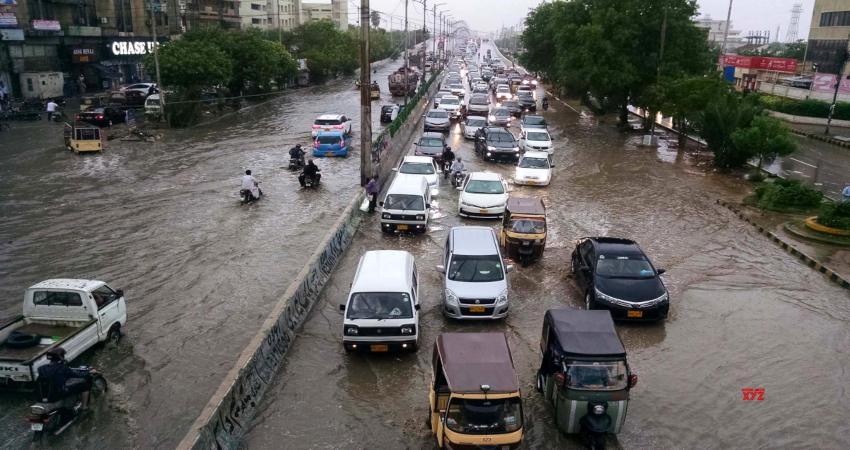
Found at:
<point>296,163</point>
<point>447,169</point>
<point>595,424</point>
<point>56,417</point>
<point>311,181</point>
<point>458,177</point>
<point>545,105</point>
<point>245,195</point>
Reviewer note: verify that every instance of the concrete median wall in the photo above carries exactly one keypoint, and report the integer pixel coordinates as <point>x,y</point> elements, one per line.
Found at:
<point>227,416</point>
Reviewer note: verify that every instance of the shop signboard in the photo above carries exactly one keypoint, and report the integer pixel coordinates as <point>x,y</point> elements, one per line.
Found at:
<point>8,20</point>
<point>46,25</point>
<point>8,2</point>
<point>11,35</point>
<point>130,48</point>
<point>760,63</point>
<point>83,54</point>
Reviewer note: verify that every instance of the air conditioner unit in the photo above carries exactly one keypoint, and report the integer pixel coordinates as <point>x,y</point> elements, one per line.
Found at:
<point>104,20</point>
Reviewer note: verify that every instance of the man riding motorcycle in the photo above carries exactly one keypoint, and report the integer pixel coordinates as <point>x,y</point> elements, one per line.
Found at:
<point>297,153</point>
<point>57,381</point>
<point>448,157</point>
<point>310,170</point>
<point>545,103</point>
<point>457,167</point>
<point>250,184</point>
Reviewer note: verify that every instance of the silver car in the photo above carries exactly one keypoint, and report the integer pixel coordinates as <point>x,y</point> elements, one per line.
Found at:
<point>474,275</point>
<point>437,120</point>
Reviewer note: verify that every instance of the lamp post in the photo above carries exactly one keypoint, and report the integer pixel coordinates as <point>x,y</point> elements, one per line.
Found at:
<point>434,30</point>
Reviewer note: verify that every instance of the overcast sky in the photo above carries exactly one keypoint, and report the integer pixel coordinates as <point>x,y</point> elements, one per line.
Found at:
<point>490,15</point>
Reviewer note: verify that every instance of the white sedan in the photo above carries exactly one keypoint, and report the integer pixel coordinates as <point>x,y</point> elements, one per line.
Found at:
<point>420,166</point>
<point>471,126</point>
<point>533,169</point>
<point>536,140</point>
<point>483,194</point>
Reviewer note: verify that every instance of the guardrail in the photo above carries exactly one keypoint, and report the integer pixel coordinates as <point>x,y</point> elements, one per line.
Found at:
<point>227,416</point>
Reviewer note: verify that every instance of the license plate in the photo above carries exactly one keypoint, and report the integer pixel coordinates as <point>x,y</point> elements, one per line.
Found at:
<point>477,309</point>
<point>634,314</point>
<point>379,348</point>
<point>482,211</point>
<point>401,227</point>
<point>329,153</point>
<point>37,427</point>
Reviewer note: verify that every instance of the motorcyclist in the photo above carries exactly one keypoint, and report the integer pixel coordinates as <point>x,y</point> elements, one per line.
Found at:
<point>457,167</point>
<point>297,153</point>
<point>310,170</point>
<point>545,103</point>
<point>57,381</point>
<point>249,183</point>
<point>448,158</point>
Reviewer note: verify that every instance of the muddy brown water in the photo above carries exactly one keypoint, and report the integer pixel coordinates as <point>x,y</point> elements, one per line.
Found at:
<point>163,222</point>
<point>744,314</point>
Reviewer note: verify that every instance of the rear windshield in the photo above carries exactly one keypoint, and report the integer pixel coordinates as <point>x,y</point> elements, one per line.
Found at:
<point>327,122</point>
<point>513,103</point>
<point>417,168</point>
<point>450,101</point>
<point>380,305</point>
<point>51,298</point>
<point>401,201</point>
<point>531,120</point>
<point>438,114</point>
<point>326,139</point>
<point>475,122</point>
<point>478,101</point>
<point>430,142</point>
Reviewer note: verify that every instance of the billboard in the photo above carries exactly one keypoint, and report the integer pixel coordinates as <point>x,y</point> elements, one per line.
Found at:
<point>760,63</point>
<point>825,82</point>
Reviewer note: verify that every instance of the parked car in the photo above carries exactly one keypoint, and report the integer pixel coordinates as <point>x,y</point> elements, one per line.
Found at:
<point>471,126</point>
<point>533,169</point>
<point>475,284</point>
<point>102,117</point>
<point>431,144</point>
<point>616,275</point>
<point>331,122</point>
<point>494,143</point>
<point>420,166</point>
<point>437,120</point>
<point>535,139</point>
<point>483,195</point>
<point>331,143</point>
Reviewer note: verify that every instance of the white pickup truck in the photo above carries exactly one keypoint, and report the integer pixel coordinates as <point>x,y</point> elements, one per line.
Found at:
<point>72,314</point>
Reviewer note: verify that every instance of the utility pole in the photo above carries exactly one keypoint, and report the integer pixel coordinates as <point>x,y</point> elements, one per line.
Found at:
<point>658,69</point>
<point>838,80</point>
<point>155,7</point>
<point>365,100</point>
<point>726,31</point>
<point>424,42</point>
<point>279,29</point>
<point>406,57</point>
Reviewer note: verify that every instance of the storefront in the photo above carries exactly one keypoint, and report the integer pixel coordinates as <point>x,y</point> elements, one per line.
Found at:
<point>748,72</point>
<point>126,57</point>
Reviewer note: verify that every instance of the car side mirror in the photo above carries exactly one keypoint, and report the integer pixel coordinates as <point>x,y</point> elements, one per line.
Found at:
<point>509,268</point>
<point>381,203</point>
<point>633,379</point>
<point>441,268</point>
<point>417,307</point>
<point>460,188</point>
<point>342,307</point>
<point>120,292</point>
<point>661,271</point>
<point>427,206</point>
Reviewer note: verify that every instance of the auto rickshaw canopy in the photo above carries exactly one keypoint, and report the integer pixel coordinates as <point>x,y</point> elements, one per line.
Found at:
<point>471,360</point>
<point>525,206</point>
<point>587,333</point>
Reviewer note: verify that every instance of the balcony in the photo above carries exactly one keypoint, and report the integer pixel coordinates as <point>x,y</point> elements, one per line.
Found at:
<point>77,30</point>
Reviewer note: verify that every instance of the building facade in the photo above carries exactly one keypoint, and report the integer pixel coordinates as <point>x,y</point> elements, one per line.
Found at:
<point>828,36</point>
<point>716,28</point>
<point>336,11</point>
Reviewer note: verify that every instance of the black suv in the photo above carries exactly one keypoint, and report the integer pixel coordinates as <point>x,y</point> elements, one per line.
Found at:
<point>616,275</point>
<point>492,143</point>
<point>526,101</point>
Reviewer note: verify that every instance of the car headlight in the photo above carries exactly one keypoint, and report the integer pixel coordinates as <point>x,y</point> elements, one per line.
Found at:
<point>385,216</point>
<point>420,217</point>
<point>492,118</point>
<point>407,329</point>
<point>451,298</point>
<point>351,330</point>
<point>502,298</point>
<point>516,149</point>
<point>491,148</point>
<point>602,296</point>
<point>489,154</point>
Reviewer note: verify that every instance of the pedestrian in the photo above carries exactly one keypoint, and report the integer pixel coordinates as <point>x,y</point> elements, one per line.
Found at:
<point>51,108</point>
<point>81,82</point>
<point>372,191</point>
<point>3,94</point>
<point>845,194</point>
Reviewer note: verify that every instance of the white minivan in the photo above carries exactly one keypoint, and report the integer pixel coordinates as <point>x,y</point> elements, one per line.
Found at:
<point>406,205</point>
<point>382,311</point>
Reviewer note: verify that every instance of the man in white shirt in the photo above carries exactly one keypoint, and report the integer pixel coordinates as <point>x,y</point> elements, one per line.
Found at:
<point>846,193</point>
<point>249,183</point>
<point>51,108</point>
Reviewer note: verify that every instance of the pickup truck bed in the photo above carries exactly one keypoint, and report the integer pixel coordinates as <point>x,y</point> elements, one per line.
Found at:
<point>57,332</point>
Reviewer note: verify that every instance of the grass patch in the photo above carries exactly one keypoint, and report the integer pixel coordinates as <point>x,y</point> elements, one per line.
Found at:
<point>835,215</point>
<point>787,196</point>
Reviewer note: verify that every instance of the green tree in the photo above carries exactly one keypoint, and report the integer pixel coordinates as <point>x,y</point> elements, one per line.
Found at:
<point>191,65</point>
<point>683,99</point>
<point>766,138</point>
<point>327,50</point>
<point>716,124</point>
<point>375,18</point>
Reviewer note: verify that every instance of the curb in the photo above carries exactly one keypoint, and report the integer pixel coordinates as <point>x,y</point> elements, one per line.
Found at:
<point>813,263</point>
<point>821,138</point>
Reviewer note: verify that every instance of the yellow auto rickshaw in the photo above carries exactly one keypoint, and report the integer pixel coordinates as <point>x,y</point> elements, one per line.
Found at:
<point>83,138</point>
<point>523,232</point>
<point>474,395</point>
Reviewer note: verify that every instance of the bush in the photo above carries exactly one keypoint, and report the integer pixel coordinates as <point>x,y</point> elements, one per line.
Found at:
<point>835,215</point>
<point>807,108</point>
<point>784,195</point>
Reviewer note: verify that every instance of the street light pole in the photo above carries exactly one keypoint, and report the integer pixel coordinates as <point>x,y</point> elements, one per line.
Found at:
<point>365,100</point>
<point>837,86</point>
<point>406,57</point>
<point>726,31</point>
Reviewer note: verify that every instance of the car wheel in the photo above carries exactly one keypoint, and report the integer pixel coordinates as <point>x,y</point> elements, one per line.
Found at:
<point>539,384</point>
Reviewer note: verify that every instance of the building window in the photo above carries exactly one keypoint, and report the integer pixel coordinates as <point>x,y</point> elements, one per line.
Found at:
<point>255,7</point>
<point>123,15</point>
<point>835,19</point>
<point>256,21</point>
<point>828,54</point>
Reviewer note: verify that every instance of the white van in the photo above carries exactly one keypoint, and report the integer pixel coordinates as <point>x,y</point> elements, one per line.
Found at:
<point>382,311</point>
<point>153,107</point>
<point>406,205</point>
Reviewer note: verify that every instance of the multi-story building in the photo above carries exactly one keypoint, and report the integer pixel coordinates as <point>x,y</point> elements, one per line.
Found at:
<point>285,14</point>
<point>336,11</point>
<point>716,29</point>
<point>828,35</point>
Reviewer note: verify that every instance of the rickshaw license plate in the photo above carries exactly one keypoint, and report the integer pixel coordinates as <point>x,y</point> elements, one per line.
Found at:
<point>37,427</point>
<point>634,314</point>
<point>477,309</point>
<point>379,347</point>
<point>401,227</point>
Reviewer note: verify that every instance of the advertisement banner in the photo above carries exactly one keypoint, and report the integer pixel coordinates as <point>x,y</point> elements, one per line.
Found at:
<point>46,25</point>
<point>8,20</point>
<point>760,63</point>
<point>11,35</point>
<point>825,82</point>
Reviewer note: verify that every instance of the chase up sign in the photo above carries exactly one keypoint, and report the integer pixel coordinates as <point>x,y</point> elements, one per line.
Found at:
<point>131,48</point>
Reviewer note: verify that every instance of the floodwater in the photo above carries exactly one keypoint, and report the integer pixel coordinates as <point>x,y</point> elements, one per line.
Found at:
<point>163,222</point>
<point>744,314</point>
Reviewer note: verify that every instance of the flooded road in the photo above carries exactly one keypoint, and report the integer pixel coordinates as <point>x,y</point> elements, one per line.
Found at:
<point>743,314</point>
<point>163,222</point>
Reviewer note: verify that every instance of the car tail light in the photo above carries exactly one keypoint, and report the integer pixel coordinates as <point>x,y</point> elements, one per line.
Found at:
<point>99,117</point>
<point>338,126</point>
<point>316,143</point>
<point>316,126</point>
<point>633,380</point>
<point>342,142</point>
<point>77,117</point>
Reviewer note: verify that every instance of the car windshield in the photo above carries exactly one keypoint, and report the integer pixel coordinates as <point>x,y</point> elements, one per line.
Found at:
<point>401,201</point>
<point>501,112</point>
<point>475,269</point>
<point>495,416</point>
<point>438,115</point>
<point>504,89</point>
<point>450,101</point>
<point>534,163</point>
<point>538,136</point>
<point>431,142</point>
<point>328,139</point>
<point>597,375</point>
<point>619,266</point>
<point>500,136</point>
<point>326,122</point>
<point>380,305</point>
<point>485,187</point>
<point>510,103</point>
<point>478,100</point>
<point>475,122</point>
<point>532,120</point>
<point>417,168</point>
<point>456,86</point>
<point>529,226</point>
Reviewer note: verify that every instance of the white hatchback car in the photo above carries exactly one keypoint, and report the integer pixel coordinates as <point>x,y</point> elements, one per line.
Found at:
<point>533,169</point>
<point>483,194</point>
<point>420,166</point>
<point>535,140</point>
<point>471,125</point>
<point>331,122</point>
